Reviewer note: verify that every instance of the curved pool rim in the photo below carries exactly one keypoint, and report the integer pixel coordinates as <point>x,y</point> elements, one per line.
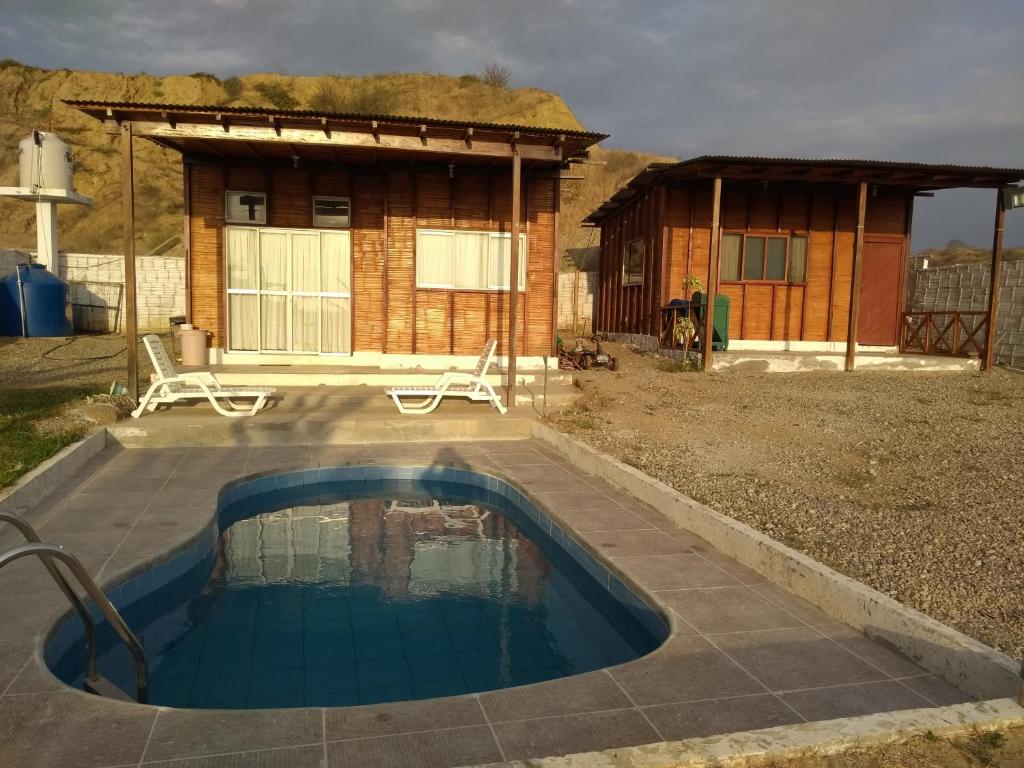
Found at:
<point>163,568</point>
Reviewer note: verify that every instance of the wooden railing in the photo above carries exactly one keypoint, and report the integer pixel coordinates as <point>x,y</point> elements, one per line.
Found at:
<point>957,334</point>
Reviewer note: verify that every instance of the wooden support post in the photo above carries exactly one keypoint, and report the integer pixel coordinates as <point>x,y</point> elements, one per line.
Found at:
<point>128,214</point>
<point>513,282</point>
<point>707,341</point>
<point>858,254</point>
<point>993,284</point>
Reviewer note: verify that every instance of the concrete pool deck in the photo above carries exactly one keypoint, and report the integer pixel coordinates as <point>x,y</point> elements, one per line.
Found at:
<point>743,654</point>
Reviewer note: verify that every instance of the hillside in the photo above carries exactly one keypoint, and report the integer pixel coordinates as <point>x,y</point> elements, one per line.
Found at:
<point>959,252</point>
<point>31,98</point>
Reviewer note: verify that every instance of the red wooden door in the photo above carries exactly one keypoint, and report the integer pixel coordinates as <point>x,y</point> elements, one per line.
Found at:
<point>881,282</point>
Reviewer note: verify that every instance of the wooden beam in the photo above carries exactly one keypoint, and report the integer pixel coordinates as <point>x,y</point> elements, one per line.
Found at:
<point>513,282</point>
<point>225,123</point>
<point>326,125</point>
<point>128,214</point>
<point>993,281</point>
<point>423,135</point>
<point>315,137</point>
<point>858,256</point>
<point>714,256</point>
<point>169,118</point>
<point>375,131</point>
<point>469,138</point>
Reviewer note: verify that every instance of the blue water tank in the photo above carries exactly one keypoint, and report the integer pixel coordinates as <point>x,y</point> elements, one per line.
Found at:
<point>47,303</point>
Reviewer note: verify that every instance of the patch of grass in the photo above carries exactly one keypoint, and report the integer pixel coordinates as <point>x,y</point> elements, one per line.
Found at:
<point>233,87</point>
<point>276,95</point>
<point>982,746</point>
<point>26,439</point>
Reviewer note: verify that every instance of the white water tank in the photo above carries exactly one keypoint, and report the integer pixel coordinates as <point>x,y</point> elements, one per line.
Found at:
<point>45,162</point>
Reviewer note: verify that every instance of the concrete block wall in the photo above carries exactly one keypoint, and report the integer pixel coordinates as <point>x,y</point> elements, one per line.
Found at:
<point>97,288</point>
<point>576,298</point>
<point>964,287</point>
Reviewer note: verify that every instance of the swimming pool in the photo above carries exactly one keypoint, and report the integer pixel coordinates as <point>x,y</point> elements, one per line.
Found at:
<point>358,585</point>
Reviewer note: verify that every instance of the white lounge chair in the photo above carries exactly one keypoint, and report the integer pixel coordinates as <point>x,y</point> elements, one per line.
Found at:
<point>172,387</point>
<point>473,386</point>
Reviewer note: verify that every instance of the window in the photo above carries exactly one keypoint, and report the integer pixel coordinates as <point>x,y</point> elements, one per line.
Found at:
<point>245,207</point>
<point>633,262</point>
<point>331,211</point>
<point>772,258</point>
<point>472,261</point>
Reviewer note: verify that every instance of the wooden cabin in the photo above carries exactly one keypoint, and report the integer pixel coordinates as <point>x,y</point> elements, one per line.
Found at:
<point>312,238</point>
<point>811,253</point>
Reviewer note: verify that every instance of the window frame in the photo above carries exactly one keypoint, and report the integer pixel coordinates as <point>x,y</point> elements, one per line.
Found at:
<point>766,235</point>
<point>348,202</point>
<point>246,222</point>
<point>637,277</point>
<point>488,288</point>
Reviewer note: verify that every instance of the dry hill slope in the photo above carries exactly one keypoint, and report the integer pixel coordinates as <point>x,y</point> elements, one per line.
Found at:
<point>31,98</point>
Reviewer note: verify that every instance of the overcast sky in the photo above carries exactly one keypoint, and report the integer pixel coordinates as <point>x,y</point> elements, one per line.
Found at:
<point>932,81</point>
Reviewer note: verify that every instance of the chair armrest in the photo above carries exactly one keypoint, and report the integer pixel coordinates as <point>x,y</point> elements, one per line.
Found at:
<point>453,377</point>
<point>204,376</point>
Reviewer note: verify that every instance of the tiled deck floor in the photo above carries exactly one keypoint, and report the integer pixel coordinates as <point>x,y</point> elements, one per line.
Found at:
<point>744,654</point>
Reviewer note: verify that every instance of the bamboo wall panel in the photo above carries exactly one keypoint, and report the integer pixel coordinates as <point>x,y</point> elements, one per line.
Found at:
<point>843,271</point>
<point>735,293</point>
<point>886,213</point>
<point>401,265</point>
<point>332,183</point>
<point>541,202</point>
<point>290,202</point>
<point>497,322</point>
<point>207,250</point>
<point>433,200</point>
<point>757,312</point>
<point>735,204</point>
<point>368,254</point>
<point>677,214</point>
<point>247,178</point>
<point>470,318</point>
<point>794,210</point>
<point>473,201</point>
<point>787,309</point>
<point>433,322</point>
<point>763,211</point>
<point>818,292</point>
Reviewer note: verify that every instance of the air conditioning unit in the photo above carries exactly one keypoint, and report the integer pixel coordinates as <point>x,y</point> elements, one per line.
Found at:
<point>1013,197</point>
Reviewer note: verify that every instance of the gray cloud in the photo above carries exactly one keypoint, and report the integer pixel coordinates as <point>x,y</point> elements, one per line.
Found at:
<point>926,80</point>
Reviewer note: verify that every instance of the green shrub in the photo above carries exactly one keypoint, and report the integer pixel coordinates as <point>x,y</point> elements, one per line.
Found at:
<point>205,76</point>
<point>372,99</point>
<point>277,95</point>
<point>233,87</point>
<point>326,98</point>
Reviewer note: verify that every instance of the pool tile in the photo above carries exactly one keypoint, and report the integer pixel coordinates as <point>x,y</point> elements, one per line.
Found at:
<point>226,691</point>
<point>186,733</point>
<point>433,749</point>
<point>803,610</point>
<point>426,642</point>
<point>571,734</point>
<point>382,673</point>
<point>728,609</point>
<point>711,718</point>
<point>225,662</point>
<point>378,647</point>
<point>473,638</point>
<point>889,660</point>
<point>937,690</point>
<point>684,669</point>
<point>437,667</point>
<point>580,693</point>
<point>853,700</point>
<point>401,717</point>
<point>332,677</point>
<point>369,624</point>
<point>279,633</point>
<point>786,659</point>
<point>289,757</point>
<point>271,658</point>
<point>632,543</point>
<point>683,571</point>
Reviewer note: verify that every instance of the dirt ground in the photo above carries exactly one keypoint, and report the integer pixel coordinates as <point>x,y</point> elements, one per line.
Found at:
<point>86,360</point>
<point>908,481</point>
<point>973,750</point>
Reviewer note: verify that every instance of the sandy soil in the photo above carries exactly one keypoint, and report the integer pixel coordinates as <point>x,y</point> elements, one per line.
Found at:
<point>910,482</point>
<point>86,360</point>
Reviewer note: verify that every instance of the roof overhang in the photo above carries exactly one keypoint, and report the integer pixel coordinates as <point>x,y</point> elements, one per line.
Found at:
<point>913,176</point>
<point>264,135</point>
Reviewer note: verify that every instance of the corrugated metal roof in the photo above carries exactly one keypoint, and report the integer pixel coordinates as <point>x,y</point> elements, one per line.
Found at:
<point>655,171</point>
<point>343,116</point>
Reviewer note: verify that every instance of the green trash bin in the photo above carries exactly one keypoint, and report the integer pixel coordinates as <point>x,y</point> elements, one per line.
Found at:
<point>720,327</point>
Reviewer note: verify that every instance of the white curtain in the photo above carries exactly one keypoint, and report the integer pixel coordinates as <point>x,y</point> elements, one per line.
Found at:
<point>242,257</point>
<point>336,323</point>
<point>273,261</point>
<point>470,260</point>
<point>731,247</point>
<point>434,258</point>
<point>275,322</point>
<point>305,258</point>
<point>243,321</point>
<point>305,310</point>
<point>335,262</point>
<point>500,261</point>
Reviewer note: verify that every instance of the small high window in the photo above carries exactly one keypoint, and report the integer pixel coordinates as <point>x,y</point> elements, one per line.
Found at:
<point>331,211</point>
<point>245,207</point>
<point>633,262</point>
<point>764,258</point>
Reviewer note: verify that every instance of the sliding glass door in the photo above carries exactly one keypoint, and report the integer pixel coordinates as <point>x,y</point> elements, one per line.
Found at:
<point>289,290</point>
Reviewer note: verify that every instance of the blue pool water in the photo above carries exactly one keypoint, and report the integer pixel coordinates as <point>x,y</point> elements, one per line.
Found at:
<point>356,591</point>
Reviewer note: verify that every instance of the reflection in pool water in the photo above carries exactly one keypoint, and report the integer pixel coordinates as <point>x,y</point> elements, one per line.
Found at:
<point>348,598</point>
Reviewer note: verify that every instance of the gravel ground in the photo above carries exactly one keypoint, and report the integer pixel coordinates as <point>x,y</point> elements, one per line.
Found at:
<point>89,360</point>
<point>908,481</point>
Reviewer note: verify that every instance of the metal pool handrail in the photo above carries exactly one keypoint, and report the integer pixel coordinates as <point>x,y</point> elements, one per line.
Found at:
<point>50,552</point>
